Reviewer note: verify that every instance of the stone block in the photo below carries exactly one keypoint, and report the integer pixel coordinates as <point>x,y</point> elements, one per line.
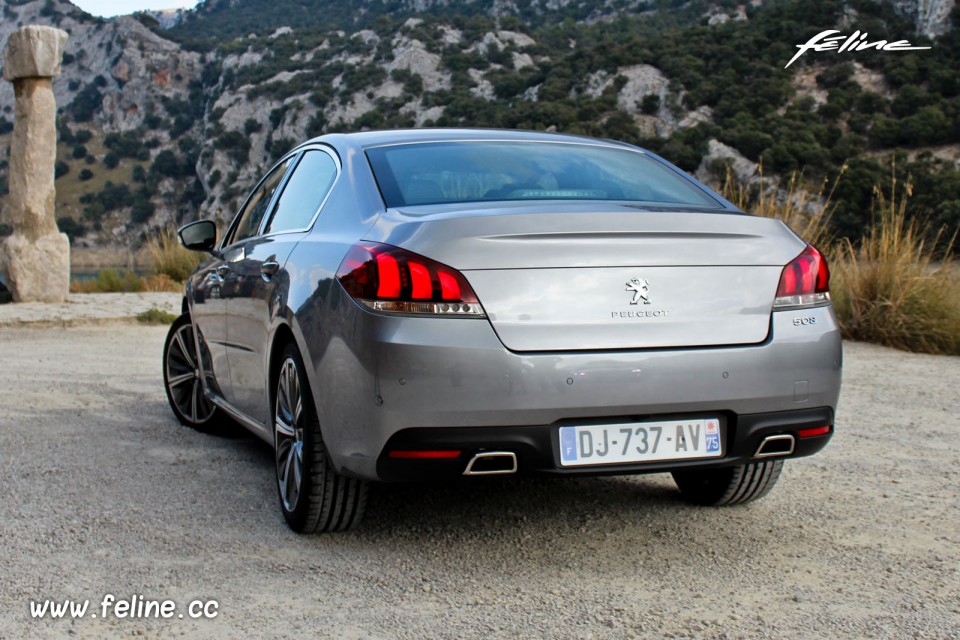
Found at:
<point>33,52</point>
<point>38,271</point>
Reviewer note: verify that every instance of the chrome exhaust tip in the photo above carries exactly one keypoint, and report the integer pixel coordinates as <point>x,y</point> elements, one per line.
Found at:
<point>775,446</point>
<point>492,463</point>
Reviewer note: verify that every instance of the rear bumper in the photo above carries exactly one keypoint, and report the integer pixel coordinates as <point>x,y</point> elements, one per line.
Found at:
<point>537,447</point>
<point>384,379</point>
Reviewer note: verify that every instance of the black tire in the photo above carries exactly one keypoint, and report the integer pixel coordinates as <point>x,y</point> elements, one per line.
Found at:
<point>313,496</point>
<point>729,485</point>
<point>181,380</point>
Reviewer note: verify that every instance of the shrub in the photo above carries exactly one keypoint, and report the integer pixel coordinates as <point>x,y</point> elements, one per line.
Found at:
<point>141,210</point>
<point>126,145</point>
<point>235,144</point>
<point>85,174</point>
<point>109,281</point>
<point>114,196</point>
<point>165,164</point>
<point>650,104</point>
<point>86,103</point>
<point>71,227</point>
<point>156,316</point>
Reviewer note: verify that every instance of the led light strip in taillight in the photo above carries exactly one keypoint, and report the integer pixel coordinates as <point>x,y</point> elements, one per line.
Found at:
<point>389,279</point>
<point>805,282</point>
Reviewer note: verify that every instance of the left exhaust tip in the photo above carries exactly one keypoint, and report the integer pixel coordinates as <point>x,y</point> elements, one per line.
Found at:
<point>491,463</point>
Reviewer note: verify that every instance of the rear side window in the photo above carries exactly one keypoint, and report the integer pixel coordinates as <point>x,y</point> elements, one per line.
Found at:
<point>451,172</point>
<point>305,192</point>
<point>250,218</point>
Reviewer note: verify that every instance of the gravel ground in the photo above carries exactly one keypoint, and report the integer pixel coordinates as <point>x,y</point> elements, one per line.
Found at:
<point>103,492</point>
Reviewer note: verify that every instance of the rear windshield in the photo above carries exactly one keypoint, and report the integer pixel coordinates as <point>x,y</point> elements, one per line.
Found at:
<point>451,172</point>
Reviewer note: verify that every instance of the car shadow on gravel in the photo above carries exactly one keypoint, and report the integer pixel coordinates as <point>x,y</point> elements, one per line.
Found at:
<point>507,503</point>
<point>466,507</point>
<point>500,503</point>
<point>495,501</point>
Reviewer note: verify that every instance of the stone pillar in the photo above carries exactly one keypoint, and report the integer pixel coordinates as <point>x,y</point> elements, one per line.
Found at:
<point>37,255</point>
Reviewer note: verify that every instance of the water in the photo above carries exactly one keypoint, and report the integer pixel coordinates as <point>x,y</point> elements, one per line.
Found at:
<point>88,274</point>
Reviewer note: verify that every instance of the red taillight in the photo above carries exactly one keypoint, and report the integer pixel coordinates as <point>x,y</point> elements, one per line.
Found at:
<point>393,280</point>
<point>417,454</point>
<point>805,281</point>
<point>813,432</point>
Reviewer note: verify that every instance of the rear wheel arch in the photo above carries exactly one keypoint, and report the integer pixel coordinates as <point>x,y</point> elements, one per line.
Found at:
<point>281,338</point>
<point>288,333</point>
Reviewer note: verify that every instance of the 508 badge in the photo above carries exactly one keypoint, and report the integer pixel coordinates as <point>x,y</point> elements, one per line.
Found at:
<point>800,322</point>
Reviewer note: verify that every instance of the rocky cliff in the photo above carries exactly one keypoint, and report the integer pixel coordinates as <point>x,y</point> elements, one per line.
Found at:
<point>159,126</point>
<point>932,17</point>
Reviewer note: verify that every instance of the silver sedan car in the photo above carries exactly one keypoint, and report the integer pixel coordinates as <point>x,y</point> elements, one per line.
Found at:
<point>430,304</point>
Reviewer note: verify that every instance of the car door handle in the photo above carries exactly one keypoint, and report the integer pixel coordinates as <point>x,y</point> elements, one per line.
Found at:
<point>223,269</point>
<point>214,280</point>
<point>270,267</point>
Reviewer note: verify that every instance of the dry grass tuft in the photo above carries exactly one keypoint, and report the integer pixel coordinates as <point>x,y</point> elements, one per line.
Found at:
<point>807,213</point>
<point>161,282</point>
<point>890,290</point>
<point>887,288</point>
<point>170,258</point>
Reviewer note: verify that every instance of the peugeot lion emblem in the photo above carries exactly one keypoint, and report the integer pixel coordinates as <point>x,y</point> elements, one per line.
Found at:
<point>639,287</point>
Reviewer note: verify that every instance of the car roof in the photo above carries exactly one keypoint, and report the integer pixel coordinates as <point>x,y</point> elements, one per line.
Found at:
<point>368,139</point>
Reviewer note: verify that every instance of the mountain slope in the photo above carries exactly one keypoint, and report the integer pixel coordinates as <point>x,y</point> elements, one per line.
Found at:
<point>170,134</point>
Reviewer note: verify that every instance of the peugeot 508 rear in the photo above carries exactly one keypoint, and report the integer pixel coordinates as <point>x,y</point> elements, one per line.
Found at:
<point>391,306</point>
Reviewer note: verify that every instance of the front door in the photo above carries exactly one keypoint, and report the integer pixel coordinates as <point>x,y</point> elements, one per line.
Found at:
<point>254,284</point>
<point>209,316</point>
<point>233,277</point>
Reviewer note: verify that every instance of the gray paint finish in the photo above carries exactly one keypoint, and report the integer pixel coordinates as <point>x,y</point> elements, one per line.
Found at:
<point>559,342</point>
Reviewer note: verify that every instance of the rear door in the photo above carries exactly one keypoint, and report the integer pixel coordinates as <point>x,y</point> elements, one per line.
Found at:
<point>257,282</point>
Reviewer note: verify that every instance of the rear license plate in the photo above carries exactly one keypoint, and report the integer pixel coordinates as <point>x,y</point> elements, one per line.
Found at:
<point>640,442</point>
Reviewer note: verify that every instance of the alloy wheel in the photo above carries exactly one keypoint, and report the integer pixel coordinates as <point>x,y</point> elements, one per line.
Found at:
<point>184,377</point>
<point>288,432</point>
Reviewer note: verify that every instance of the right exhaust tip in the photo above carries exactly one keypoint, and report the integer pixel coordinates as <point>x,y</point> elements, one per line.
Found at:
<point>776,446</point>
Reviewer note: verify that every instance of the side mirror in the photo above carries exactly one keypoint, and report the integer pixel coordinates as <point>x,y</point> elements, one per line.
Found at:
<point>199,236</point>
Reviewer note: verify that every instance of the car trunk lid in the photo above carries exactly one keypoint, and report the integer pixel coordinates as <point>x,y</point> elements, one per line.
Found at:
<point>585,278</point>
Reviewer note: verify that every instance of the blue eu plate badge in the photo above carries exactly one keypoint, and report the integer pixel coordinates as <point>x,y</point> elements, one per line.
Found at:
<point>568,445</point>
<point>713,436</point>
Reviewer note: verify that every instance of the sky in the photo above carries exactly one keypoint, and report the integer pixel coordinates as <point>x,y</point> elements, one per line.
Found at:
<point>110,8</point>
